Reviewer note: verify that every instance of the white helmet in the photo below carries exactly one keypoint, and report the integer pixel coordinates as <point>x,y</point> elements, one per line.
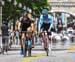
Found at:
<point>29,10</point>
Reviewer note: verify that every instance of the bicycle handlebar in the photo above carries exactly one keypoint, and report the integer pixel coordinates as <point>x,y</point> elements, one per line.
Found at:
<point>44,31</point>
<point>26,32</point>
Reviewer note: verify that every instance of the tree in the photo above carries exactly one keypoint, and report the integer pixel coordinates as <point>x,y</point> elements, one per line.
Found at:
<point>9,10</point>
<point>36,5</point>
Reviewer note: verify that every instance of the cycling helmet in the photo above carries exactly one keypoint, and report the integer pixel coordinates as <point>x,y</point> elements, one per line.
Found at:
<point>25,13</point>
<point>29,10</point>
<point>44,11</point>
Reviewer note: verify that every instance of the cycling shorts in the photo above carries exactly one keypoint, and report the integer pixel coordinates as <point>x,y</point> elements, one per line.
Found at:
<point>45,27</point>
<point>25,26</point>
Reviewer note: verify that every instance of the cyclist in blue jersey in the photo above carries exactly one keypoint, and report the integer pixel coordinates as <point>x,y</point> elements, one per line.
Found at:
<point>46,21</point>
<point>45,25</point>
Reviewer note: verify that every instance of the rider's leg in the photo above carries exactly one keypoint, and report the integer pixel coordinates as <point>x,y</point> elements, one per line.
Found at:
<point>32,38</point>
<point>30,29</point>
<point>21,47</point>
<point>22,38</point>
<point>44,37</point>
<point>29,51</point>
<point>25,52</point>
<point>32,26</point>
<point>49,42</point>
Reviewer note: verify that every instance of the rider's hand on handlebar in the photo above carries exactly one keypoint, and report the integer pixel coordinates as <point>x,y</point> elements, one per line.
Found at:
<point>40,31</point>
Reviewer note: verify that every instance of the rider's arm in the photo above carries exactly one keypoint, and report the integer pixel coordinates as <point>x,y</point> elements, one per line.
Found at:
<point>19,25</point>
<point>30,17</point>
<point>40,22</point>
<point>51,21</point>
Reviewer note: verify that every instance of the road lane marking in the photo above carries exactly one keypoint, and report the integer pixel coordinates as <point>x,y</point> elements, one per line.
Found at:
<point>70,49</point>
<point>33,57</point>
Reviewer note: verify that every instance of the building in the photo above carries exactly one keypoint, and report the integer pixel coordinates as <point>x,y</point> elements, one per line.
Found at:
<point>66,8</point>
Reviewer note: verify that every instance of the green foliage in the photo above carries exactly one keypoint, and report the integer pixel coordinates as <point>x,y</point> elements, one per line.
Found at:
<point>36,5</point>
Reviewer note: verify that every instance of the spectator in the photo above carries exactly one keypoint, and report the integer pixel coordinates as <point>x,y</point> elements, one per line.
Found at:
<point>54,28</point>
<point>59,25</point>
<point>4,29</point>
<point>17,37</point>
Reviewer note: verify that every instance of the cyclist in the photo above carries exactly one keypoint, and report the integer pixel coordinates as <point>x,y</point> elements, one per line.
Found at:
<point>23,27</point>
<point>31,20</point>
<point>29,11</point>
<point>45,24</point>
<point>25,24</point>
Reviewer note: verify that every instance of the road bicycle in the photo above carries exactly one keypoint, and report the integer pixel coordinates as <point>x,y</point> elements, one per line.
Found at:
<point>27,43</point>
<point>46,41</point>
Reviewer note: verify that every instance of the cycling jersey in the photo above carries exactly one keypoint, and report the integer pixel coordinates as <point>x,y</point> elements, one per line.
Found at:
<point>46,20</point>
<point>25,24</point>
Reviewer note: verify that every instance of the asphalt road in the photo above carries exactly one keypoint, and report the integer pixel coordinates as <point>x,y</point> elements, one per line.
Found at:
<point>54,56</point>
